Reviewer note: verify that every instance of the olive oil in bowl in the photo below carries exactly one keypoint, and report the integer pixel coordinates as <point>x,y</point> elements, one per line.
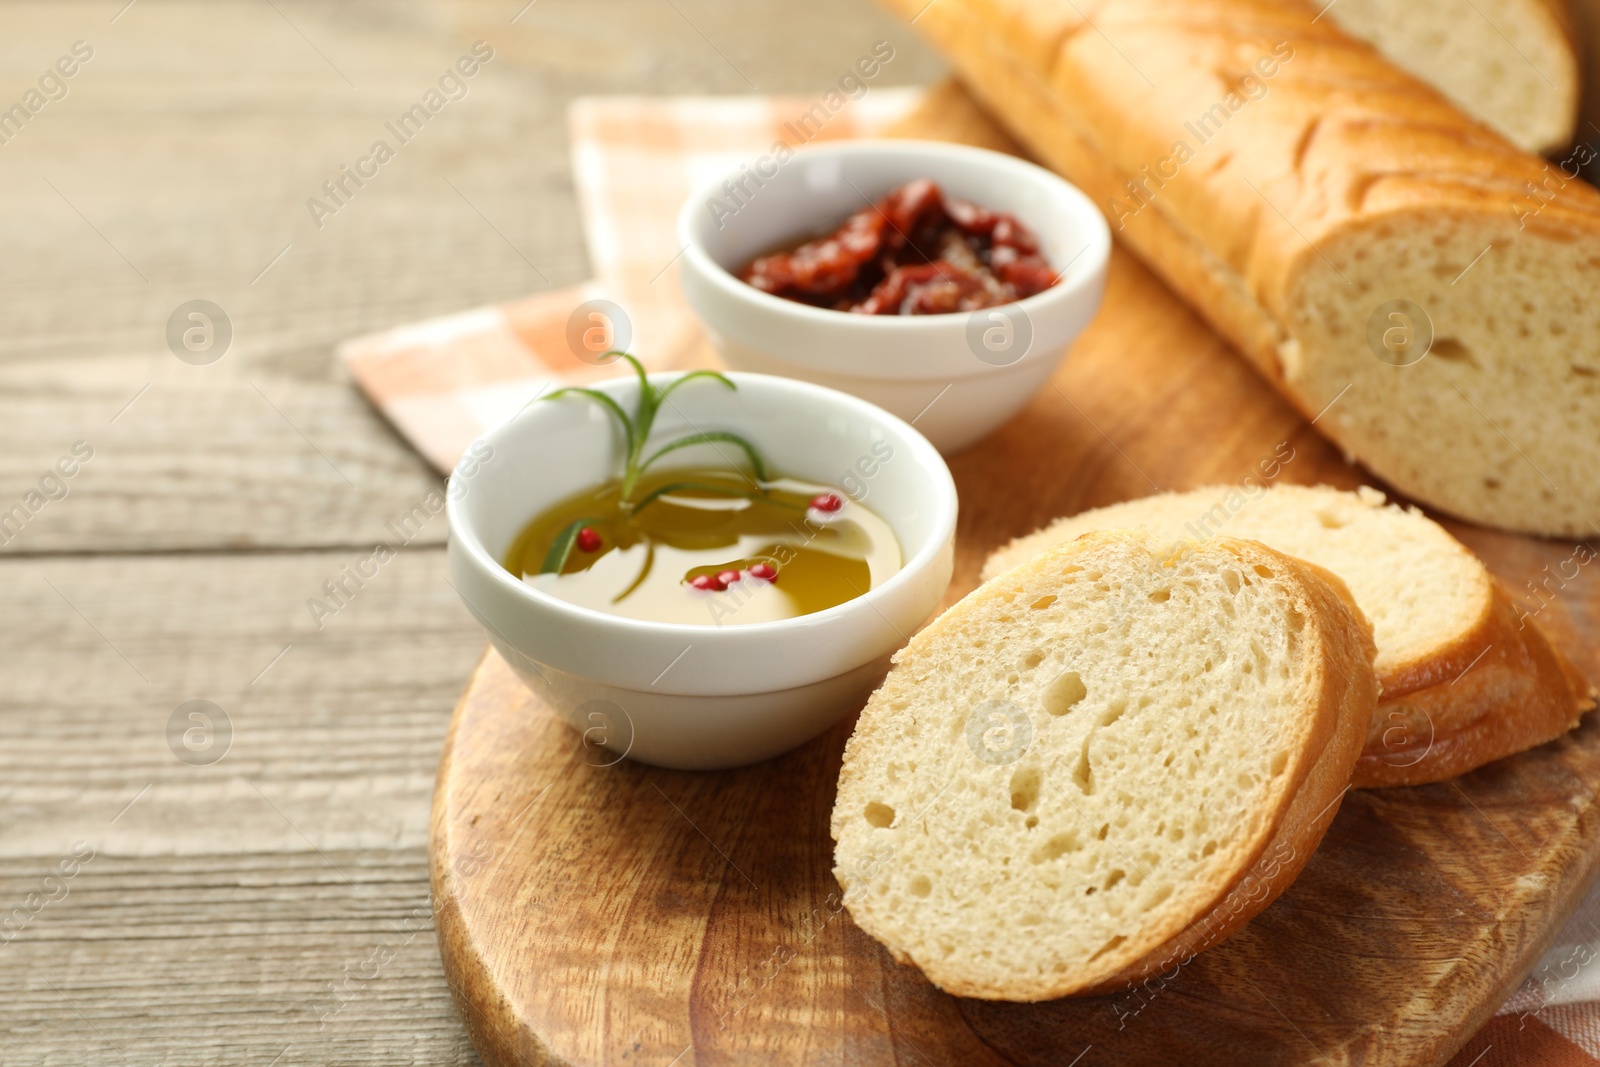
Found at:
<point>706,546</point>
<point>703,545</point>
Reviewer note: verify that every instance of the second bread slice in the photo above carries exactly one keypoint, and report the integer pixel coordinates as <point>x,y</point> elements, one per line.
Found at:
<point>1465,680</point>
<point>1100,763</point>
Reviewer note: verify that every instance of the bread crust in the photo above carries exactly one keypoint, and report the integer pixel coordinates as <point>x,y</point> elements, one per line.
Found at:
<point>1343,146</point>
<point>1502,689</point>
<point>1020,101</point>
<point>1275,845</point>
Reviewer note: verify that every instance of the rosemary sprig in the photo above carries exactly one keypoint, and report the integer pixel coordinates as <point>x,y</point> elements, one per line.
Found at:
<point>635,435</point>
<point>708,438</point>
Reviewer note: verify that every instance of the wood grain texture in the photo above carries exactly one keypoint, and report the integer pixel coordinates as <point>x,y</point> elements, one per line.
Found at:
<point>275,898</point>
<point>268,462</point>
<point>621,914</point>
<point>230,958</point>
<point>212,927</point>
<point>179,165</point>
<point>340,725</point>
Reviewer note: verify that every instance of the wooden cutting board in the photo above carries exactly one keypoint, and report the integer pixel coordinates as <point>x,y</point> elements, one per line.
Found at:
<point>626,915</point>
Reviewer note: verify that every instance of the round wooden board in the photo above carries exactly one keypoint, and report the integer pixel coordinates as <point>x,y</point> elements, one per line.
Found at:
<point>627,915</point>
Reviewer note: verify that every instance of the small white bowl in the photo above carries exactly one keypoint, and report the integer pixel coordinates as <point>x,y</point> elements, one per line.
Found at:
<point>709,696</point>
<point>956,376</point>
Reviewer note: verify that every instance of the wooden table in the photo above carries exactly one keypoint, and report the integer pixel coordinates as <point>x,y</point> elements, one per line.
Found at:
<point>271,906</point>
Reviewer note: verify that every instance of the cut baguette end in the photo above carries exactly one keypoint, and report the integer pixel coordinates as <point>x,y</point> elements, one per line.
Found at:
<point>1510,63</point>
<point>1493,421</point>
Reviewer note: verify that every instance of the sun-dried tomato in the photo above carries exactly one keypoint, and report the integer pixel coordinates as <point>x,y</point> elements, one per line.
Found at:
<point>914,252</point>
<point>821,267</point>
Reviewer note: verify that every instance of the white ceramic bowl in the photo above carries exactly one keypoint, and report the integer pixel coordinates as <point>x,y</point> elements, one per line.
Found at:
<point>957,376</point>
<point>701,696</point>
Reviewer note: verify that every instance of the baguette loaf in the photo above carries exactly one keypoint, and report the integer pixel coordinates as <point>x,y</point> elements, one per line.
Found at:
<point>1465,680</point>
<point>1100,763</point>
<point>1329,214</point>
<point>1511,63</point>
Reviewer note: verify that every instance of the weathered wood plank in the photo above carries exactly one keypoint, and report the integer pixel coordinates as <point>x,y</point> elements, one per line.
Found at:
<point>178,167</point>
<point>230,909</point>
<point>238,959</point>
<point>191,463</point>
<point>190,144</point>
<point>209,928</point>
<point>340,733</point>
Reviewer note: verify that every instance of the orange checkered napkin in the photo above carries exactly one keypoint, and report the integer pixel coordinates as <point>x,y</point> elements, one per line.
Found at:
<point>636,159</point>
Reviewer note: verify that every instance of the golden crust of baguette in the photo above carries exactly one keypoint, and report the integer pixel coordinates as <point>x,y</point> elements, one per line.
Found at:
<point>1502,689</point>
<point>1370,139</point>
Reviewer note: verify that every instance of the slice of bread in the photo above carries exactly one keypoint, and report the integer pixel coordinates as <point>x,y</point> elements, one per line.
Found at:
<point>1101,762</point>
<point>1512,64</point>
<point>1465,680</point>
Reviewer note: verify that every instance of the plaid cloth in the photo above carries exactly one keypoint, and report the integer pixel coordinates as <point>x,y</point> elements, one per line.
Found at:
<point>443,382</point>
<point>636,159</point>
